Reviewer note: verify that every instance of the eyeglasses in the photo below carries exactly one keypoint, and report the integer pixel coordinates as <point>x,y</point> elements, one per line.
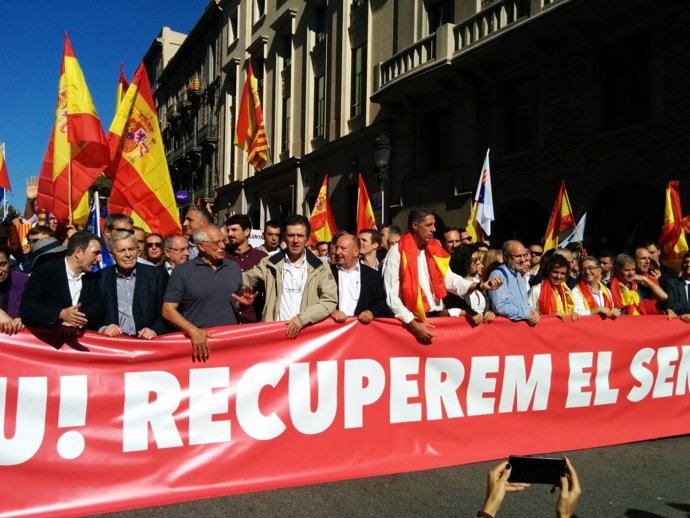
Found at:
<point>520,256</point>
<point>476,260</point>
<point>213,243</point>
<point>467,238</point>
<point>591,268</point>
<point>179,250</point>
<point>536,254</point>
<point>153,245</point>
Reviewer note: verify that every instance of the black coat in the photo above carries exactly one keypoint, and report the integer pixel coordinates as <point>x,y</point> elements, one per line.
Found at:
<point>677,296</point>
<point>372,295</point>
<point>149,287</point>
<point>47,293</point>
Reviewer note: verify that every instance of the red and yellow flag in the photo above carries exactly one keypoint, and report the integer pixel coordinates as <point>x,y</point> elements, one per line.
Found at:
<point>561,218</point>
<point>321,219</point>
<point>672,240</point>
<point>4,177</point>
<point>250,134</point>
<point>122,86</point>
<point>365,214</point>
<point>77,150</point>
<point>139,170</point>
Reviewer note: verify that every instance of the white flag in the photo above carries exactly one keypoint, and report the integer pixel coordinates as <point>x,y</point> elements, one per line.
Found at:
<point>578,233</point>
<point>484,198</point>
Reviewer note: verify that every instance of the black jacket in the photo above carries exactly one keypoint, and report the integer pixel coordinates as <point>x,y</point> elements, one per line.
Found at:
<point>372,295</point>
<point>677,296</point>
<point>47,293</point>
<point>149,287</point>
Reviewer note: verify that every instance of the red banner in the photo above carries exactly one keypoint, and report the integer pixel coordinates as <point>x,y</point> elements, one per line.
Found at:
<point>102,424</point>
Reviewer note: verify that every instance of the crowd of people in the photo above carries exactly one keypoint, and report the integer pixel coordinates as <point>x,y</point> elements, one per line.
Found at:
<point>211,276</point>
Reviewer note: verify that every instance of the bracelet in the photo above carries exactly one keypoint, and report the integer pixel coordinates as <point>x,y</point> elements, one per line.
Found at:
<point>482,514</point>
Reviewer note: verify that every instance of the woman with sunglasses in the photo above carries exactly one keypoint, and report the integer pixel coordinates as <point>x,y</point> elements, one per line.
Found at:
<point>552,296</point>
<point>154,248</point>
<point>590,295</point>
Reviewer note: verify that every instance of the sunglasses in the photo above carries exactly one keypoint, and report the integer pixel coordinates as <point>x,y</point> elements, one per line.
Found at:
<point>153,245</point>
<point>537,254</point>
<point>130,230</point>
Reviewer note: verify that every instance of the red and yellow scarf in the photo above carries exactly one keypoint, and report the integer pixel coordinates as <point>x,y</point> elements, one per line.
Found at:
<point>624,298</point>
<point>437,260</point>
<point>554,301</point>
<point>590,302</point>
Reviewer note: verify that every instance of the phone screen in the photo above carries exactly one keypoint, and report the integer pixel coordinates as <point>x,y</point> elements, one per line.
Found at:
<point>536,469</point>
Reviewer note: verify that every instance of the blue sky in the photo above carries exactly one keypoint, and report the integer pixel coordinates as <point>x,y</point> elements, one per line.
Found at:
<point>103,34</point>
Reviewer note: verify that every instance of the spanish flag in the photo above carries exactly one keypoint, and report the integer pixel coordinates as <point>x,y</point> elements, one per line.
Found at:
<point>250,134</point>
<point>139,170</point>
<point>672,240</point>
<point>365,214</point>
<point>321,219</point>
<point>77,150</point>
<point>561,218</point>
<point>4,177</point>
<point>122,86</point>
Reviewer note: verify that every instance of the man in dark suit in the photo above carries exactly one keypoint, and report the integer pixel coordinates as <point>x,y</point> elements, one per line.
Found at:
<point>132,292</point>
<point>679,292</point>
<point>360,288</point>
<point>65,293</point>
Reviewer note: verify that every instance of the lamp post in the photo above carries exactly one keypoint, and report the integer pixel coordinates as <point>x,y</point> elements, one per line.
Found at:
<point>382,153</point>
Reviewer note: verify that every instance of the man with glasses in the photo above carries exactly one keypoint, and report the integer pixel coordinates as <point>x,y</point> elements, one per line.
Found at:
<point>465,237</point>
<point>510,299</point>
<point>32,237</point>
<point>299,288</point>
<point>201,291</point>
<point>535,253</point>
<point>117,221</point>
<point>175,250</point>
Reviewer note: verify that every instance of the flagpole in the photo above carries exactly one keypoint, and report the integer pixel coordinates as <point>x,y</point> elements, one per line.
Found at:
<point>97,204</point>
<point>69,183</point>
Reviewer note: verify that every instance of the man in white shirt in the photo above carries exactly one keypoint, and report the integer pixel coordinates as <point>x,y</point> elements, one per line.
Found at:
<point>360,288</point>
<point>299,288</point>
<point>66,293</point>
<point>424,272</point>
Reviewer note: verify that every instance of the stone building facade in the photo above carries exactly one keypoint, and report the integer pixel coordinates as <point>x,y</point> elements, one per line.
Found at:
<point>593,93</point>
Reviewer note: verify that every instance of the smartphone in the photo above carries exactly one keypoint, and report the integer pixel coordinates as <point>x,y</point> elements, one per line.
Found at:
<point>536,469</point>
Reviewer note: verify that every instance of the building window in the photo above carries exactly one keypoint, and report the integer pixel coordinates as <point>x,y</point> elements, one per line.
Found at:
<point>438,13</point>
<point>286,51</point>
<point>520,116</point>
<point>285,125</point>
<point>232,27</point>
<point>320,106</point>
<point>258,68</point>
<point>358,3</point>
<point>359,80</point>
<point>211,63</point>
<point>259,10</point>
<point>321,22</point>
<point>626,83</point>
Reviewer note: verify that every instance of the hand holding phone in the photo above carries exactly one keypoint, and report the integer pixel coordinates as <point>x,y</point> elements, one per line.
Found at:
<point>537,469</point>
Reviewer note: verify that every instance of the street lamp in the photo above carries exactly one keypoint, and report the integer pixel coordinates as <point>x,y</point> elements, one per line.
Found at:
<point>382,153</point>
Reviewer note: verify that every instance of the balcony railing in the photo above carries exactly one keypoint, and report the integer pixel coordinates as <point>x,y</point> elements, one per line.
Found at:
<point>450,40</point>
<point>414,56</point>
<point>494,17</point>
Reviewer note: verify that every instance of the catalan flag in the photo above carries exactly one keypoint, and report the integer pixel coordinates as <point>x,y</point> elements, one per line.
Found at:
<point>365,214</point>
<point>561,218</point>
<point>321,219</point>
<point>139,170</point>
<point>672,240</point>
<point>77,150</point>
<point>250,134</point>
